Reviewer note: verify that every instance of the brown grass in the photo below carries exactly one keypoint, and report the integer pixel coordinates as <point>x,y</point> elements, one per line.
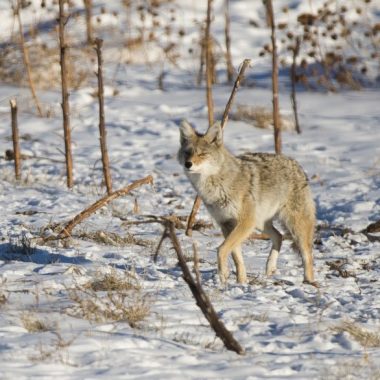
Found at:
<point>32,323</point>
<point>3,295</point>
<point>114,281</point>
<point>110,297</point>
<point>45,66</point>
<point>366,338</point>
<point>112,238</point>
<point>260,117</point>
<point>351,369</point>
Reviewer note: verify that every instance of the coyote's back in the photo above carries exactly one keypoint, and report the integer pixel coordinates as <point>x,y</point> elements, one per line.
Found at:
<point>248,192</point>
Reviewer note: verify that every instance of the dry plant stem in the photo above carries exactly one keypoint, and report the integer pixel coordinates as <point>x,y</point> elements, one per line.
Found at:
<point>193,214</point>
<point>202,61</point>
<point>276,110</point>
<point>66,231</point>
<point>238,80</point>
<point>15,139</point>
<point>102,129</point>
<point>293,80</point>
<point>165,235</point>
<point>210,102</point>
<point>197,201</point>
<point>25,55</point>
<point>196,263</point>
<point>88,10</point>
<point>202,300</point>
<point>65,96</point>
<point>227,33</point>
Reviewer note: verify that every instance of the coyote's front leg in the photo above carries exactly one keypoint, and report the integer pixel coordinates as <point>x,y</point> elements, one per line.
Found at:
<point>239,233</point>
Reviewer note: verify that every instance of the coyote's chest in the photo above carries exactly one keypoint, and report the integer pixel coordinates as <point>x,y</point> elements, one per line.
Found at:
<point>219,202</point>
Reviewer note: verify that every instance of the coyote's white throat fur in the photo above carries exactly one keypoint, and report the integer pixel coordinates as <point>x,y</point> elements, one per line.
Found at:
<point>247,192</point>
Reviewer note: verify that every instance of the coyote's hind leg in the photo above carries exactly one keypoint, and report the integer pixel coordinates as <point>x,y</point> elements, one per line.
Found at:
<point>276,239</point>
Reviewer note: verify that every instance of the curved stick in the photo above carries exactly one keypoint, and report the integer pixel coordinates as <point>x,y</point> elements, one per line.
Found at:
<point>66,231</point>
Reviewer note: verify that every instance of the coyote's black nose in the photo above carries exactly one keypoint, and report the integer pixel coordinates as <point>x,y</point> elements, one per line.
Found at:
<point>188,164</point>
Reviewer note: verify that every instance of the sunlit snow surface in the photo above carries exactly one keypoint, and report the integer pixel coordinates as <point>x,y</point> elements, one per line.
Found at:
<point>287,328</point>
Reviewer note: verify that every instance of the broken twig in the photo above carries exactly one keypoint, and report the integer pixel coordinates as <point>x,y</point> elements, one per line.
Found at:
<point>66,231</point>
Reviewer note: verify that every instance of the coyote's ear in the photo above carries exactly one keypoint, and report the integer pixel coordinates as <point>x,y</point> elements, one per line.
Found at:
<point>215,134</point>
<point>186,131</point>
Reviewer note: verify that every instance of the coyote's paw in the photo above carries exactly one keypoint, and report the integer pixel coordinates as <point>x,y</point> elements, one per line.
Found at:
<point>271,268</point>
<point>270,271</point>
<point>223,273</point>
<point>242,278</point>
<point>312,283</point>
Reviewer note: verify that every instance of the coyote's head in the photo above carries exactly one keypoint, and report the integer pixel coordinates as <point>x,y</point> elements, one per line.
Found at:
<point>200,153</point>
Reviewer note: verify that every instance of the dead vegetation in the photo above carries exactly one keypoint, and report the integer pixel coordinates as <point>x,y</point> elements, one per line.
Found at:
<point>366,338</point>
<point>55,350</point>
<point>110,297</point>
<point>260,117</point>
<point>44,61</point>
<point>22,245</point>
<point>339,268</point>
<point>3,293</point>
<point>32,323</point>
<point>114,281</point>
<point>351,369</point>
<point>114,239</point>
<point>337,45</point>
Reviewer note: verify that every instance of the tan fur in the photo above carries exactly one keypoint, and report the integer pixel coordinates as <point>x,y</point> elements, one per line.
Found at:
<point>248,192</point>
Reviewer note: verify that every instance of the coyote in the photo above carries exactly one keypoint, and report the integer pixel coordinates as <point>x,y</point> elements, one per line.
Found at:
<point>248,192</point>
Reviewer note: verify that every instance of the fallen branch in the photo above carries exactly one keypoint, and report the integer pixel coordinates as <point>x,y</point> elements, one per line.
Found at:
<point>202,300</point>
<point>197,201</point>
<point>339,266</point>
<point>66,230</point>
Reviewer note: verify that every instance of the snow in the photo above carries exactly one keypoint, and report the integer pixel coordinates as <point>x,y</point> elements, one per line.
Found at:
<point>288,329</point>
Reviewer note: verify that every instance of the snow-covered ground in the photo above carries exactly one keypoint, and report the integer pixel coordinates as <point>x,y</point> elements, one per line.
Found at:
<point>288,329</point>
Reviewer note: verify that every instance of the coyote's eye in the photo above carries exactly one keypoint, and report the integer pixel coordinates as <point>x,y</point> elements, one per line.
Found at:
<point>189,151</point>
<point>203,155</point>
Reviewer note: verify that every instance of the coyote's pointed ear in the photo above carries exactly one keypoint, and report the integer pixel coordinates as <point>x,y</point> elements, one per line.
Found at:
<point>215,134</point>
<point>186,131</point>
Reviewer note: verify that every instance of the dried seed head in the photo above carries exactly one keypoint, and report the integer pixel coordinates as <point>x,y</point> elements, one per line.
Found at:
<point>352,60</point>
<point>290,35</point>
<point>306,19</point>
<point>376,29</point>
